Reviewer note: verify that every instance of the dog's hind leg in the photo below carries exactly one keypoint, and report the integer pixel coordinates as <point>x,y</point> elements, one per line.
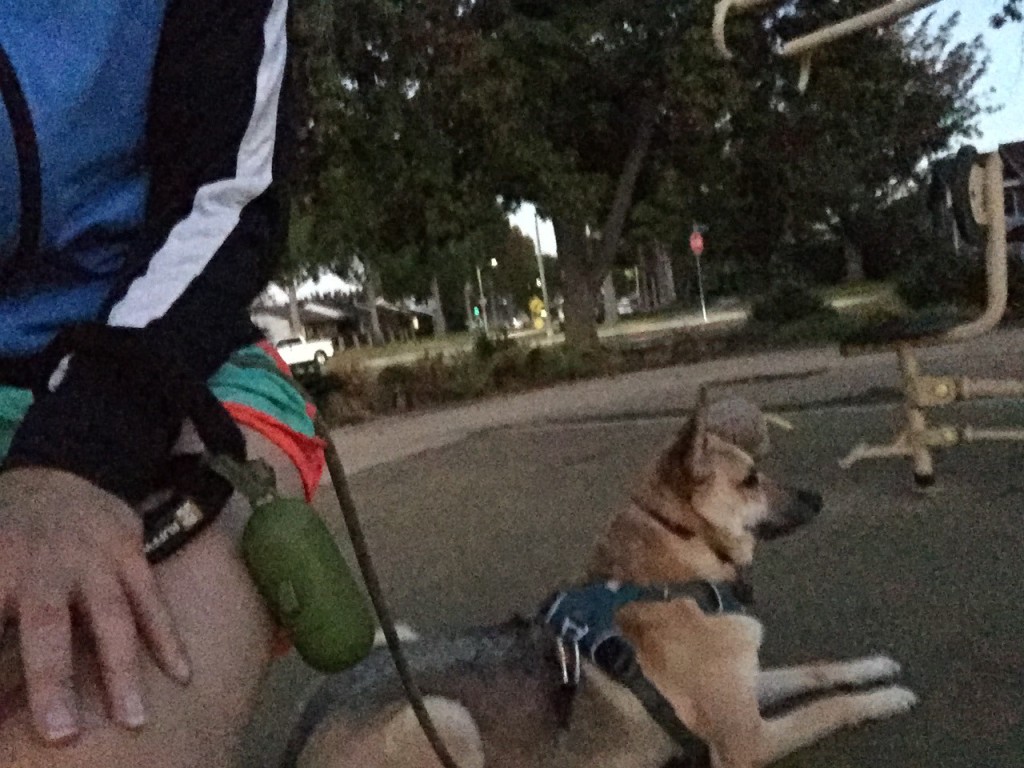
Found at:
<point>805,725</point>
<point>395,740</point>
<point>775,686</point>
<point>405,744</point>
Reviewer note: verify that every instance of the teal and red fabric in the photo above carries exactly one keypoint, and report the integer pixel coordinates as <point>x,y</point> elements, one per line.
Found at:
<point>254,396</point>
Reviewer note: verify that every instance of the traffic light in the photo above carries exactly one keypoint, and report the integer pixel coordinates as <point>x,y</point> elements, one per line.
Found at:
<point>476,310</point>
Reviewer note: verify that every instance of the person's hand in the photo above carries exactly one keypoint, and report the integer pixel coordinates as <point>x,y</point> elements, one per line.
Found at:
<point>66,545</point>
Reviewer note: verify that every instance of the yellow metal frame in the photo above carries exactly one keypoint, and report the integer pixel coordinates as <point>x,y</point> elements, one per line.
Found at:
<point>803,47</point>
<point>917,439</point>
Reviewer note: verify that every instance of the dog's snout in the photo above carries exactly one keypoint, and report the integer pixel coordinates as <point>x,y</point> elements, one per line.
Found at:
<point>800,507</point>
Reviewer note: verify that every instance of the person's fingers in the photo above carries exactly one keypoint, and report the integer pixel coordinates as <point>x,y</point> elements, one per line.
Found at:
<point>112,626</point>
<point>154,620</point>
<point>44,626</point>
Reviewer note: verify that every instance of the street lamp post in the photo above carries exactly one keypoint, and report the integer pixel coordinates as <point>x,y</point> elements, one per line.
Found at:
<point>493,304</point>
<point>483,298</point>
<point>548,328</point>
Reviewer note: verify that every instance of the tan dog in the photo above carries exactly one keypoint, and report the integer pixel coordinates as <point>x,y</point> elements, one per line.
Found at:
<point>696,516</point>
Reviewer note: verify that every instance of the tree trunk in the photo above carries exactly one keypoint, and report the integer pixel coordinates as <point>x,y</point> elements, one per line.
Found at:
<point>372,293</point>
<point>622,202</point>
<point>467,294</point>
<point>294,321</point>
<point>651,282</point>
<point>580,307</point>
<point>436,308</point>
<point>854,258</point>
<point>643,298</point>
<point>583,272</point>
<point>611,302</point>
<point>665,276</point>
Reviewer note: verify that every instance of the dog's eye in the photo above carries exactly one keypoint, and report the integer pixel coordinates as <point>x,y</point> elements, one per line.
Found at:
<point>752,480</point>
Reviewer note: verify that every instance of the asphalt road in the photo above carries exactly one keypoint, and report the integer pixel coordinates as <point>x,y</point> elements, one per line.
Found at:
<point>489,524</point>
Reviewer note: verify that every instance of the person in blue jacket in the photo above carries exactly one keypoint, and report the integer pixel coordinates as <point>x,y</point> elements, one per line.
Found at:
<point>141,155</point>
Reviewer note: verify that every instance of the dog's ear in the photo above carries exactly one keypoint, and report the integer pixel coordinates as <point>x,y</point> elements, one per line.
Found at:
<point>687,461</point>
<point>698,459</point>
<point>693,442</point>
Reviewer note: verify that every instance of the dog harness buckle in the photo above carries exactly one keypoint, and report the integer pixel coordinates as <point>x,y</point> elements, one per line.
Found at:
<point>570,674</point>
<point>719,600</point>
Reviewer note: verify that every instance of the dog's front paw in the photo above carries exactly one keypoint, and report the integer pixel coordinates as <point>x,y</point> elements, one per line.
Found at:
<point>888,702</point>
<point>872,669</point>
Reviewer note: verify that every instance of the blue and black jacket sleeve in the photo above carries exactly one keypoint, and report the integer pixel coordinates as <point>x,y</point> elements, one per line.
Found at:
<point>216,219</point>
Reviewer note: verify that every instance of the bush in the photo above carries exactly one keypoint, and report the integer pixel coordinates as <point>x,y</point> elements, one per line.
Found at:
<point>787,300</point>
<point>571,365</point>
<point>343,396</point>
<point>942,277</point>
<point>462,378</point>
<point>819,261</point>
<point>511,369</point>
<point>396,386</point>
<point>485,346</point>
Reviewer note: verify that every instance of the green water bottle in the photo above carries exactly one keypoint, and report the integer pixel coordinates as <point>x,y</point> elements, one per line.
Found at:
<point>300,572</point>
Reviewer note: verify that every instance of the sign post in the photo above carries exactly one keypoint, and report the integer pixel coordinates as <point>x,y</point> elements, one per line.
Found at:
<point>697,246</point>
<point>549,329</point>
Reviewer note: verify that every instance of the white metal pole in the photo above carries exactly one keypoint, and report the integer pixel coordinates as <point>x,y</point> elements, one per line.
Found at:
<point>549,328</point>
<point>700,285</point>
<point>483,298</point>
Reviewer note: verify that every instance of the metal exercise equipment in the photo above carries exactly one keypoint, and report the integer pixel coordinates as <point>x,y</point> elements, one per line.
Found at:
<point>802,48</point>
<point>976,197</point>
<point>973,189</point>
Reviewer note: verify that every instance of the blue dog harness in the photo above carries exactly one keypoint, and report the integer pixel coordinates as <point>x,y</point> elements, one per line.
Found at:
<point>584,622</point>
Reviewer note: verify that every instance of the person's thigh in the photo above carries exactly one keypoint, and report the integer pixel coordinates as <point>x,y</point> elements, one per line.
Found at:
<point>228,636</point>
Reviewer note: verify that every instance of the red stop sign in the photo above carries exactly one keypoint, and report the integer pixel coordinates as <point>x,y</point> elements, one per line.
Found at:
<point>697,243</point>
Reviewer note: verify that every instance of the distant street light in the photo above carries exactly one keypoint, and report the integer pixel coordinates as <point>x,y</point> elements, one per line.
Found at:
<point>494,262</point>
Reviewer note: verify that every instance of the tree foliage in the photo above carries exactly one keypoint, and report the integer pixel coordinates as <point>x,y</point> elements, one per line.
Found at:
<point>429,119</point>
<point>1012,10</point>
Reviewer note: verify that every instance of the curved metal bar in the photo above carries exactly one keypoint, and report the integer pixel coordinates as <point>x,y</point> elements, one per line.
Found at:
<point>722,8</point>
<point>995,256</point>
<point>868,20</point>
<point>806,44</point>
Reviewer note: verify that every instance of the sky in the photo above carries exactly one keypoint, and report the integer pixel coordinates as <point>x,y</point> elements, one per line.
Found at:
<point>1005,75</point>
<point>1005,78</point>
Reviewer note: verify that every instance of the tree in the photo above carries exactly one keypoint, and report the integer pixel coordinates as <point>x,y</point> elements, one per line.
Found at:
<point>515,277</point>
<point>782,171</point>
<point>872,119</point>
<point>603,82</point>
<point>616,118</point>
<point>391,181</point>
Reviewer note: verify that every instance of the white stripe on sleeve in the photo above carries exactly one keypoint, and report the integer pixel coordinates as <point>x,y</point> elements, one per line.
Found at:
<point>217,207</point>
